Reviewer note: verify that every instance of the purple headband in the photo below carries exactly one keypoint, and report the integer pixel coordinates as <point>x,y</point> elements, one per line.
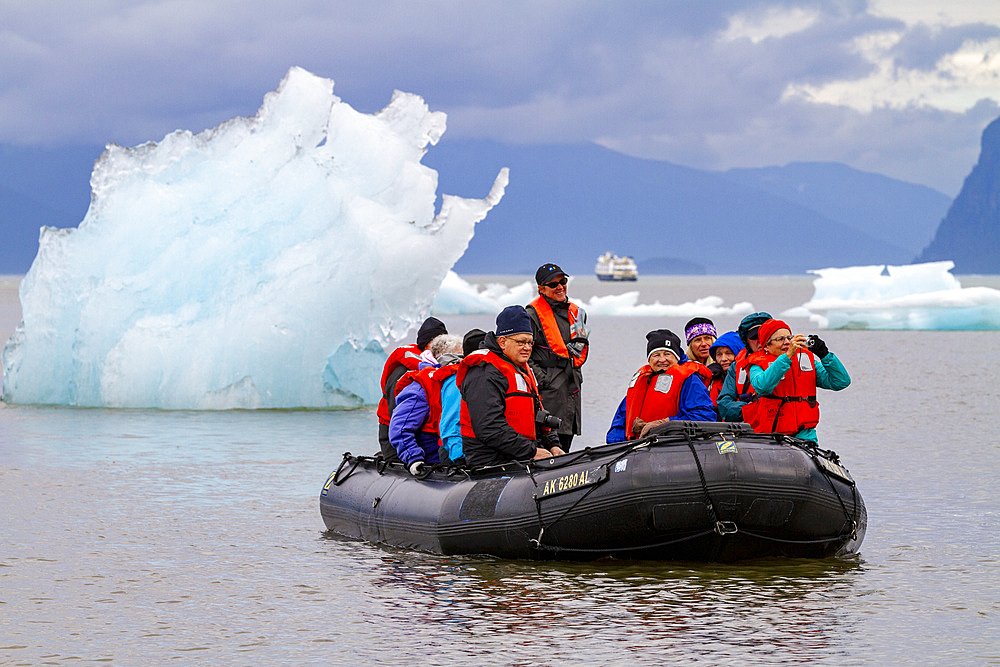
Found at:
<point>699,329</point>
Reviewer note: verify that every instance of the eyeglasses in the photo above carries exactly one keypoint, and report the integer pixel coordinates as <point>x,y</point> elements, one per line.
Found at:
<point>753,333</point>
<point>527,342</point>
<point>556,283</point>
<point>780,340</point>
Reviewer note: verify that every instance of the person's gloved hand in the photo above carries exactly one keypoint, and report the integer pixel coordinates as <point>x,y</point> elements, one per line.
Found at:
<point>717,372</point>
<point>747,397</point>
<point>416,468</point>
<point>817,346</point>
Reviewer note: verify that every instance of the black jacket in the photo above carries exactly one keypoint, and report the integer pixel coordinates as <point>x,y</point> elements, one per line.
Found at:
<point>484,392</point>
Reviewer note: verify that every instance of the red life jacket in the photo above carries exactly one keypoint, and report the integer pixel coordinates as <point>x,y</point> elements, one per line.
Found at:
<point>743,385</point>
<point>522,401</point>
<point>430,379</point>
<point>407,356</point>
<point>656,395</point>
<point>792,405</point>
<point>551,329</point>
<point>714,388</point>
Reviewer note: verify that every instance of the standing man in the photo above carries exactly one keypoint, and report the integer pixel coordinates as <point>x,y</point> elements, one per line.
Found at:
<point>561,332</point>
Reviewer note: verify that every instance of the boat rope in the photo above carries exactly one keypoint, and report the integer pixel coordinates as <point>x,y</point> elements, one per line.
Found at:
<point>814,452</point>
<point>612,550</point>
<point>720,527</point>
<point>337,479</point>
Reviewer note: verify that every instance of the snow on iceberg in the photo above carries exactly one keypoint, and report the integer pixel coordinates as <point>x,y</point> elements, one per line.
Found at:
<point>459,297</point>
<point>915,296</point>
<point>263,263</point>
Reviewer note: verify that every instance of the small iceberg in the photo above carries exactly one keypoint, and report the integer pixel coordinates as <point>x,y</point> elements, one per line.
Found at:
<point>910,297</point>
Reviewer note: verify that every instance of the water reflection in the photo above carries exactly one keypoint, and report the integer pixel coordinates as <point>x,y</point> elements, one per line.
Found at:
<point>782,610</point>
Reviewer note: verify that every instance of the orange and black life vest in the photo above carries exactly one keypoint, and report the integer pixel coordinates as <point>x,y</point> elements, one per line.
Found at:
<point>743,386</point>
<point>792,405</point>
<point>551,329</point>
<point>656,395</point>
<point>407,356</point>
<point>522,401</point>
<point>431,379</point>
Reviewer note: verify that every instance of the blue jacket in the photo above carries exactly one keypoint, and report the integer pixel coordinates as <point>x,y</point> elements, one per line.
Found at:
<point>408,418</point>
<point>694,404</point>
<point>730,339</point>
<point>830,374</point>
<point>451,430</point>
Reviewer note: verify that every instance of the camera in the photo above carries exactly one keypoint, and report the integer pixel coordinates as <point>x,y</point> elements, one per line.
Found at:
<point>546,418</point>
<point>811,340</point>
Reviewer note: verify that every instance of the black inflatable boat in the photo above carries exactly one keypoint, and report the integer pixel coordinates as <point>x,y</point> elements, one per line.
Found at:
<point>691,491</point>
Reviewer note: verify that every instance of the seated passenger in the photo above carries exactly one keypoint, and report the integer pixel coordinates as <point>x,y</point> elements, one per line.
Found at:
<point>669,387</point>
<point>450,427</point>
<point>700,334</point>
<point>736,391</point>
<point>500,397</point>
<point>785,373</point>
<point>723,352</point>
<point>403,358</point>
<point>414,424</point>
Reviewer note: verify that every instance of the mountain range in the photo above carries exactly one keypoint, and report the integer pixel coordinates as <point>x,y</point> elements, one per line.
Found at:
<point>570,203</point>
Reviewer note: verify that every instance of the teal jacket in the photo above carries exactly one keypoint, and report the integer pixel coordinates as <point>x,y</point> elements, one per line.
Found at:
<point>830,374</point>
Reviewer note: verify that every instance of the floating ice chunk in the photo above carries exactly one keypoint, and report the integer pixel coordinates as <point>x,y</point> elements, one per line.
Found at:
<point>458,297</point>
<point>626,305</point>
<point>264,263</point>
<point>914,296</point>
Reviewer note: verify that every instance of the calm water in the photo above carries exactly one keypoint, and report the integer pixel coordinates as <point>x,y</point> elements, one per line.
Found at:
<point>147,536</point>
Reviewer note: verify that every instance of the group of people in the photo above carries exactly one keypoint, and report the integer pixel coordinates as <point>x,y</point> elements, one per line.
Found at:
<point>513,394</point>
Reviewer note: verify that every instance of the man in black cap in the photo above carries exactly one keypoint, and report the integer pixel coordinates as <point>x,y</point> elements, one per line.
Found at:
<point>403,358</point>
<point>561,336</point>
<point>500,399</point>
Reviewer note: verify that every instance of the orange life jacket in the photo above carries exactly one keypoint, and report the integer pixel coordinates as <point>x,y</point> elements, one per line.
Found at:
<point>551,329</point>
<point>792,405</point>
<point>714,388</point>
<point>431,379</point>
<point>656,395</point>
<point>522,401</point>
<point>407,356</point>
<point>743,385</point>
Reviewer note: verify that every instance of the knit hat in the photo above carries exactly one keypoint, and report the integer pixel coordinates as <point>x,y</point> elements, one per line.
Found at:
<point>749,322</point>
<point>663,339</point>
<point>730,340</point>
<point>471,341</point>
<point>513,320</point>
<point>547,272</point>
<point>768,328</point>
<point>429,330</point>
<point>699,326</point>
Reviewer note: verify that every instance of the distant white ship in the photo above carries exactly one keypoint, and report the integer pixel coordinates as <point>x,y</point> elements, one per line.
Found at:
<point>613,267</point>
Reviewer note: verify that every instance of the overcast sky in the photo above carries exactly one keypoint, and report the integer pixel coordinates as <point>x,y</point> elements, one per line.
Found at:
<point>899,87</point>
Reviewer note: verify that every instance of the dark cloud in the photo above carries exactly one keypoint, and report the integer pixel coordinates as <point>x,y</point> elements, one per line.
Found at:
<point>922,46</point>
<point>654,78</point>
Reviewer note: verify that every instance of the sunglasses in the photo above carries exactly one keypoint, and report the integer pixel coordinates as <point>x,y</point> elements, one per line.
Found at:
<point>753,333</point>
<point>556,283</point>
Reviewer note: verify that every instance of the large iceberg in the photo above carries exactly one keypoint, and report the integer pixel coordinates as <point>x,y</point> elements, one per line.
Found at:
<point>914,296</point>
<point>264,263</point>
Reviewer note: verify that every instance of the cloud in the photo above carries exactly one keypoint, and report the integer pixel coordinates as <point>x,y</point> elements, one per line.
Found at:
<point>706,84</point>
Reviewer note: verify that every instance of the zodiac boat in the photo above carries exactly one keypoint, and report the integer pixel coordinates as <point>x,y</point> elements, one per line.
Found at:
<point>689,491</point>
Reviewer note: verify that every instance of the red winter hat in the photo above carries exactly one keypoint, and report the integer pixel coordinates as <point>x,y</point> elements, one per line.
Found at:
<point>768,328</point>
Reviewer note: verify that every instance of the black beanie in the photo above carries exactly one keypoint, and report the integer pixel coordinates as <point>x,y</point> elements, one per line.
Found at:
<point>471,341</point>
<point>663,339</point>
<point>429,330</point>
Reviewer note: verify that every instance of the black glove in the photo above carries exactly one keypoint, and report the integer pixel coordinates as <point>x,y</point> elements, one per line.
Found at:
<point>717,372</point>
<point>416,468</point>
<point>747,397</point>
<point>817,346</point>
